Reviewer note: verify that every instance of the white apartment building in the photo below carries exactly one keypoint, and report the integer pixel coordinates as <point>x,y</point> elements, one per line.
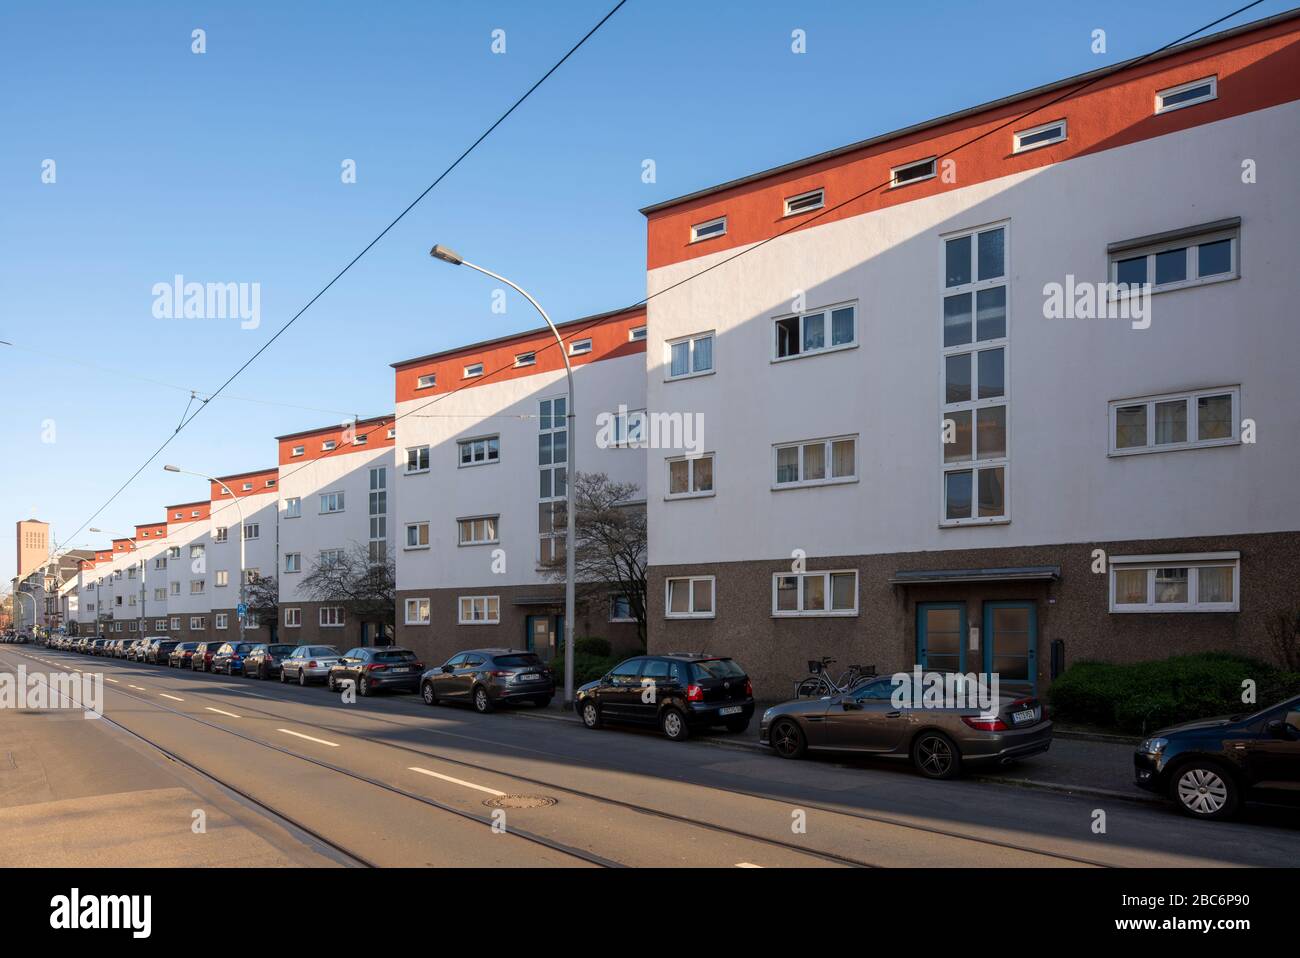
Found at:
<point>926,444</point>
<point>189,581</point>
<point>336,499</point>
<point>256,498</point>
<point>123,611</point>
<point>483,456</point>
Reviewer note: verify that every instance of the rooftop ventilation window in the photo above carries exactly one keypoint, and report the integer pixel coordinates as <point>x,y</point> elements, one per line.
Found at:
<point>1187,94</point>
<point>709,229</point>
<point>805,202</point>
<point>1037,136</point>
<point>912,172</point>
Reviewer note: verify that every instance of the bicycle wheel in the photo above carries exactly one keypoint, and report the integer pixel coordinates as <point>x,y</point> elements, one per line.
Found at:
<point>810,687</point>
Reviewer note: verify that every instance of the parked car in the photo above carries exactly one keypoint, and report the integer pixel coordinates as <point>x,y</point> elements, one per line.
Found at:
<point>97,646</point>
<point>486,678</point>
<point>229,657</point>
<point>938,740</point>
<point>1209,767</point>
<point>83,645</point>
<point>159,651</point>
<point>123,646</point>
<point>201,660</point>
<point>140,648</point>
<point>678,692</point>
<point>264,660</point>
<point>308,663</point>
<point>180,655</point>
<point>373,668</point>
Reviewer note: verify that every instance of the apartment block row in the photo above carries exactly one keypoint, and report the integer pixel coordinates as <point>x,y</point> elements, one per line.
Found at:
<point>1000,391</point>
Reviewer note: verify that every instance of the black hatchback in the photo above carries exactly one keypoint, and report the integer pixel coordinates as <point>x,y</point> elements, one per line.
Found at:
<point>678,692</point>
<point>486,678</point>
<point>1210,766</point>
<point>373,668</point>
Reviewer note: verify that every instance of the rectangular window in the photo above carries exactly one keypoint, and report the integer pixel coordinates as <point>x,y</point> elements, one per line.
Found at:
<point>579,346</point>
<point>1177,259</point>
<point>478,530</point>
<point>329,445</point>
<point>417,611</point>
<point>196,552</point>
<point>815,593</point>
<point>709,229</point>
<point>690,476</point>
<point>160,625</point>
<point>805,202</point>
<point>176,588</point>
<point>293,562</point>
<point>912,172</point>
<point>690,597</point>
<point>220,534</point>
<point>690,356</point>
<point>620,609</point>
<point>293,508</point>
<point>1203,582</point>
<point>293,618</point>
<point>247,487</point>
<point>629,427</point>
<point>1207,417</point>
<point>974,443</point>
<point>197,623</point>
<point>478,452</point>
<point>252,530</point>
<point>331,502</point>
<point>526,359</point>
<point>160,595</point>
<point>816,462</point>
<point>222,577</point>
<point>834,327</point>
<point>176,622</point>
<point>221,620</point>
<point>472,370</point>
<point>296,451</point>
<point>361,439</point>
<point>1037,136</point>
<point>160,563</point>
<point>427,381</point>
<point>330,558</point>
<point>174,552</point>
<point>636,334</point>
<point>479,610</point>
<point>197,586</point>
<point>331,616</point>
<point>1187,94</point>
<point>417,535</point>
<point>417,459</point>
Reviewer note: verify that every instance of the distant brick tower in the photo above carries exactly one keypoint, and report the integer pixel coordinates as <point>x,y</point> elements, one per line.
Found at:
<point>33,545</point>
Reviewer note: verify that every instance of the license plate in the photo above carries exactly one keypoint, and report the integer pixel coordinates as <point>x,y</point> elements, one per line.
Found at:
<point>731,710</point>
<point>530,677</point>
<point>402,669</point>
<point>1026,716</point>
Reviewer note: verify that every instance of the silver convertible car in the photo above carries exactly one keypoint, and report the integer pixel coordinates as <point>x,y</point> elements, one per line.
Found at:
<point>937,740</point>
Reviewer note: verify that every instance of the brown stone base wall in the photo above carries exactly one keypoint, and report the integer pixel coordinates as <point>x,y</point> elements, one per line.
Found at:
<point>311,632</point>
<point>444,636</point>
<point>1074,608</point>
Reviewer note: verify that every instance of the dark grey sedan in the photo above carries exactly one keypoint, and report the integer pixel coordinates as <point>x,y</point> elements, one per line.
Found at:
<point>486,678</point>
<point>937,740</point>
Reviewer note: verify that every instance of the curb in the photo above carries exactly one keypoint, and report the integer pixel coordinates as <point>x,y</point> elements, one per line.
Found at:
<point>1096,737</point>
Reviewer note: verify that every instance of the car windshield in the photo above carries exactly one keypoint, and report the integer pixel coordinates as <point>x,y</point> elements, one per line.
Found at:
<point>717,669</point>
<point>526,660</point>
<point>402,656</point>
<point>279,649</point>
<point>322,650</point>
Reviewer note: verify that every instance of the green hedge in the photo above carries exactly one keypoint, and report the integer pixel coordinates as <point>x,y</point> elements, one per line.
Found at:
<point>1143,696</point>
<point>591,660</point>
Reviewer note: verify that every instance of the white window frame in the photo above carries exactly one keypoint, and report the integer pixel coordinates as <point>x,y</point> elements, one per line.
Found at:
<point>825,312</point>
<point>691,372</point>
<point>471,520</point>
<point>487,601</point>
<point>427,381</point>
<point>1212,81</point>
<point>330,558</point>
<point>296,564</point>
<point>293,507</point>
<point>717,221</point>
<point>691,614</point>
<point>293,618</point>
<point>160,625</point>
<point>818,194</point>
<point>636,334</point>
<point>472,371</point>
<point>175,587</point>
<point>334,498</point>
<point>473,445</point>
<point>197,586</point>
<point>1192,562</point>
<point>1191,242</point>
<point>423,457</point>
<point>894,182</point>
<point>201,620</point>
<point>329,445</point>
<point>1193,424</point>
<point>335,616</point>
<point>252,531</point>
<point>830,480</point>
<point>423,611</point>
<point>295,451</point>
<point>176,623</point>
<point>800,611</point>
<point>629,428</point>
<point>220,534</point>
<point>418,525</point>
<point>692,492</point>
<point>221,620</point>
<point>580,347</point>
<point>526,359</point>
<point>221,577</point>
<point>1018,144</point>
<point>613,599</point>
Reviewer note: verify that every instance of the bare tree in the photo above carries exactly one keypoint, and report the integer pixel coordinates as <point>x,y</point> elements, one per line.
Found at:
<point>366,588</point>
<point>262,596</point>
<point>610,559</point>
<point>1283,629</point>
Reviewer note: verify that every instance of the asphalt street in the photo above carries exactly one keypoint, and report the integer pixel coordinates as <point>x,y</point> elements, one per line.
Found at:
<point>295,776</point>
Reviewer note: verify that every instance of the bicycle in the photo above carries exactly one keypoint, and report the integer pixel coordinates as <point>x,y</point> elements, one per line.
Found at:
<point>818,682</point>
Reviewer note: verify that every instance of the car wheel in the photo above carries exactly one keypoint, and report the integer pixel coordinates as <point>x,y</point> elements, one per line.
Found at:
<point>284,676</point>
<point>329,681</point>
<point>936,756</point>
<point>591,715</point>
<point>787,739</point>
<point>302,677</point>
<point>1204,790</point>
<point>363,687</point>
<point>736,726</point>
<point>482,701</point>
<point>673,724</point>
<point>428,694</point>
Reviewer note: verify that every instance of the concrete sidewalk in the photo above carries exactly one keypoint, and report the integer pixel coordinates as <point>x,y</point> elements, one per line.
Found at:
<point>1078,763</point>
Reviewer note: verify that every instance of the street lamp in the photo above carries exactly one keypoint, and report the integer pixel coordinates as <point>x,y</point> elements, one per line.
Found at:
<point>448,255</point>
<point>240,509</point>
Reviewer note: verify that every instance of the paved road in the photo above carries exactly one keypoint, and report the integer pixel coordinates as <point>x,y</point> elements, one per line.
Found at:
<point>295,776</point>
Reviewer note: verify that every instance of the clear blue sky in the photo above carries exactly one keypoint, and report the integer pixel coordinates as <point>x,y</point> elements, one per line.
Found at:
<point>225,167</point>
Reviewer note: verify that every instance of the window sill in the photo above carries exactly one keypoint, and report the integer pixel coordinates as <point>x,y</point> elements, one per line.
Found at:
<point>1174,287</point>
<point>674,497</point>
<point>415,548</point>
<point>415,472</point>
<point>815,484</point>
<point>473,465</point>
<point>700,615</point>
<point>960,523</point>
<point>485,542</point>
<point>813,352</point>
<point>495,622</point>
<point>698,375</point>
<point>1172,447</point>
<point>816,615</point>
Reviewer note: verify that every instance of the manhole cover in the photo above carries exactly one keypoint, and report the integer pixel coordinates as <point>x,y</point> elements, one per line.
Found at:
<point>520,801</point>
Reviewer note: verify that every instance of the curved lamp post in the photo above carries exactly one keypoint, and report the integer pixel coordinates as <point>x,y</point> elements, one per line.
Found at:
<point>448,255</point>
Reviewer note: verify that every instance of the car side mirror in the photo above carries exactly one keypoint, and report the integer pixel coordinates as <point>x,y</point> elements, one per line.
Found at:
<point>850,704</point>
<point>447,669</point>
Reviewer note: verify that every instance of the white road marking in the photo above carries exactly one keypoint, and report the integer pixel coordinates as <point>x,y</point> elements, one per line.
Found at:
<point>172,697</point>
<point>454,781</point>
<point>220,712</point>
<point>747,865</point>
<point>140,687</point>
<point>320,741</point>
<point>114,681</point>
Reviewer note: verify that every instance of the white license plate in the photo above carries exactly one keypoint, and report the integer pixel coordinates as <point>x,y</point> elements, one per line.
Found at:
<point>401,669</point>
<point>1026,716</point>
<point>530,677</point>
<point>731,710</point>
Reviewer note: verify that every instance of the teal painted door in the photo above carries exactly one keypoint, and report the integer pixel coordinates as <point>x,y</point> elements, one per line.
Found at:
<point>941,636</point>
<point>1011,643</point>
